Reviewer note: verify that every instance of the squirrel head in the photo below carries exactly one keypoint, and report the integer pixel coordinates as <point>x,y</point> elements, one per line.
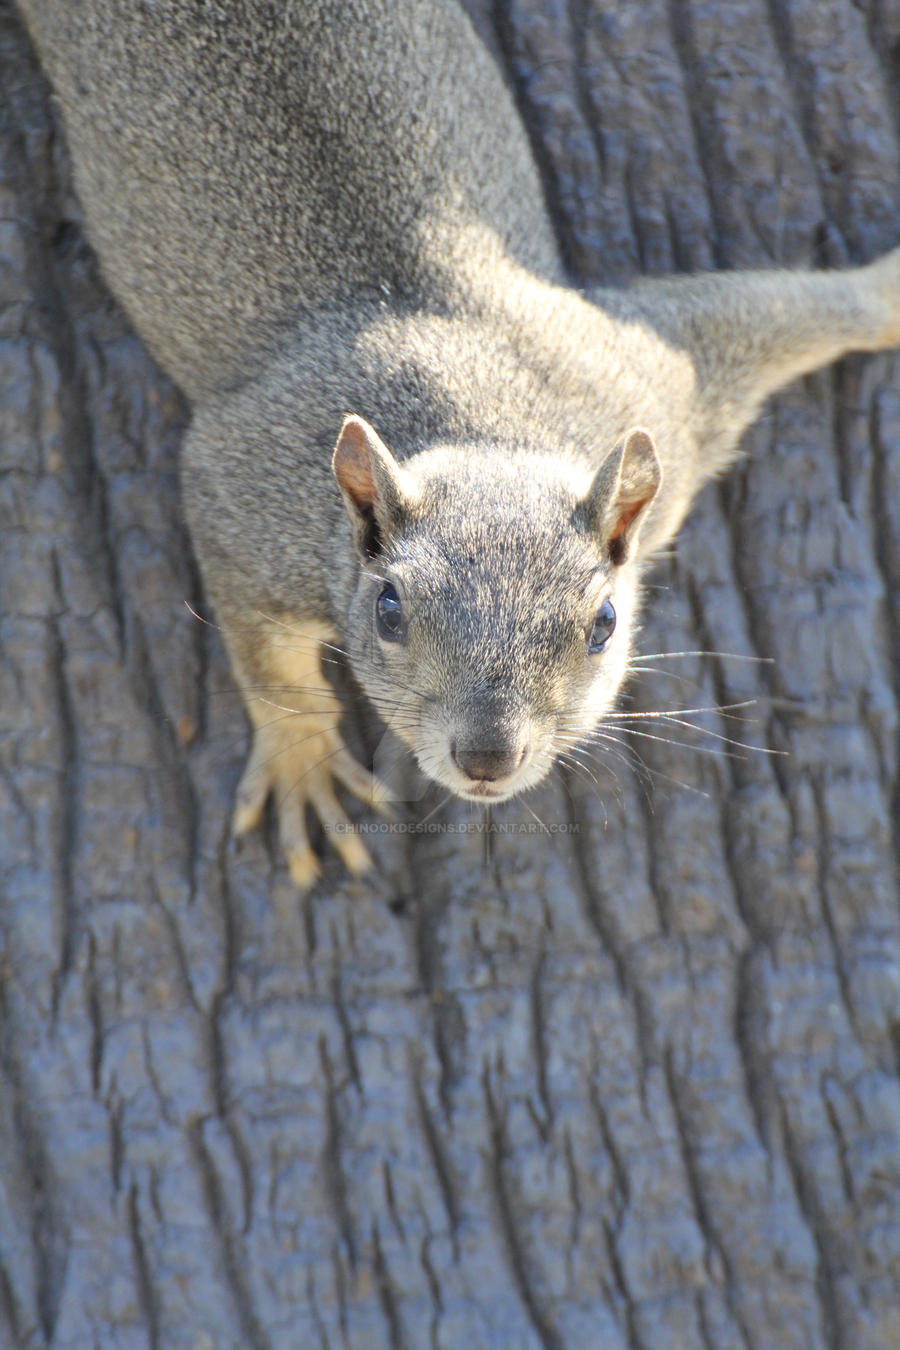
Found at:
<point>493,614</point>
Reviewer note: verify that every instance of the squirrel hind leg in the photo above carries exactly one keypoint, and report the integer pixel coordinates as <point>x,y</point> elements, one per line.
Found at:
<point>298,753</point>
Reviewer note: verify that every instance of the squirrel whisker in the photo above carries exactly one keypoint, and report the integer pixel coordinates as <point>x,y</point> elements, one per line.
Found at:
<point>712,751</point>
<point>683,712</point>
<point>706,731</point>
<point>722,656</point>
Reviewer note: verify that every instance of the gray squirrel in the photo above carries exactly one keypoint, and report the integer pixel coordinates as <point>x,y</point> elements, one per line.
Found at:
<point>411,438</point>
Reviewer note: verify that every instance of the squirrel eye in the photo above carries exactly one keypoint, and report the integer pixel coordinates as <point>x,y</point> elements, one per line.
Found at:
<point>389,615</point>
<point>603,627</point>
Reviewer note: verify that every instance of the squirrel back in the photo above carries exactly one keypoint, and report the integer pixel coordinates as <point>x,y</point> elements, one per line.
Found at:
<point>239,166</point>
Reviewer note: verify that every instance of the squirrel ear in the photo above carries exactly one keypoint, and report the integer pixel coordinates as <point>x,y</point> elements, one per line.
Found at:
<point>377,491</point>
<point>622,490</point>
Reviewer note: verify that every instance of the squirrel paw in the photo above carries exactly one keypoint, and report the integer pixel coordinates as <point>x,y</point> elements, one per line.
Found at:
<point>297,760</point>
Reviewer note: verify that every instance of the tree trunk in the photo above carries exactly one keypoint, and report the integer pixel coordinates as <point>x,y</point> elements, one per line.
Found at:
<point>629,1083</point>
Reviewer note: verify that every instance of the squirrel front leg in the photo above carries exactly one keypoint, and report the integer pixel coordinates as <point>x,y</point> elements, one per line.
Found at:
<point>297,754</point>
<point>750,333</point>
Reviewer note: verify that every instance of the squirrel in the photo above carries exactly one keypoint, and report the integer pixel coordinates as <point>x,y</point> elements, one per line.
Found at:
<point>411,437</point>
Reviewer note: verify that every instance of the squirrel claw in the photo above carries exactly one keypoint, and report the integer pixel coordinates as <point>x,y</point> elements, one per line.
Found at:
<point>304,868</point>
<point>363,784</point>
<point>299,772</point>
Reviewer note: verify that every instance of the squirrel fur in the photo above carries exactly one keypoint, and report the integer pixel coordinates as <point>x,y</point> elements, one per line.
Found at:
<point>411,438</point>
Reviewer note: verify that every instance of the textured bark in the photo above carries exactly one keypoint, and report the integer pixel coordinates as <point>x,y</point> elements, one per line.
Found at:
<point>631,1085</point>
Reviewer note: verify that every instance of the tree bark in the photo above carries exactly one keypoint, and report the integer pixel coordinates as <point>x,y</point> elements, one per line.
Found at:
<point>630,1083</point>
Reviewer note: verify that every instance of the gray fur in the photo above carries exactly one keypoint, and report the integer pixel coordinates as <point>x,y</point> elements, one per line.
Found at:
<point>315,209</point>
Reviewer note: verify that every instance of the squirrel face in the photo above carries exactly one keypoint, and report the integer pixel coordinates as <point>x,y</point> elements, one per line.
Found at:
<point>492,619</point>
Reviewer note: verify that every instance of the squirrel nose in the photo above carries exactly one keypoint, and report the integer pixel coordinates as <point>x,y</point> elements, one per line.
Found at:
<point>486,766</point>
